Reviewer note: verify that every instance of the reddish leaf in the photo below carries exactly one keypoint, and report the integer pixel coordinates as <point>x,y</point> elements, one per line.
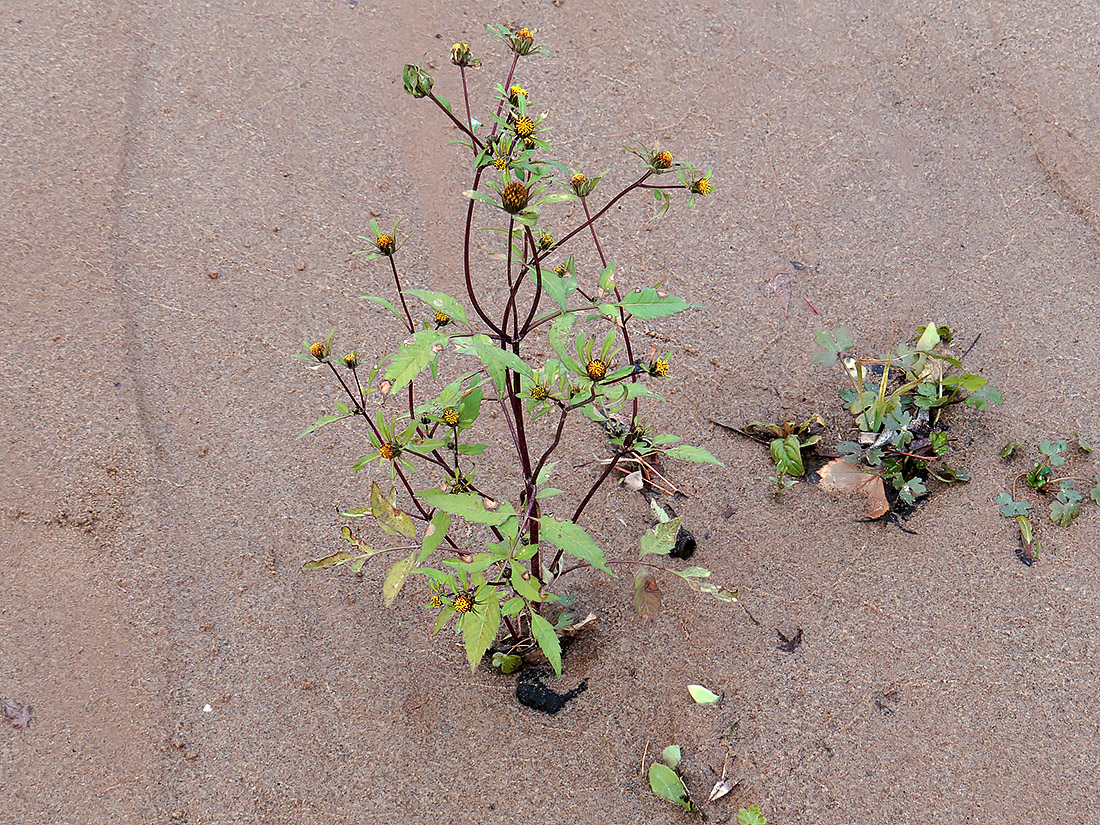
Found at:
<point>16,712</point>
<point>647,595</point>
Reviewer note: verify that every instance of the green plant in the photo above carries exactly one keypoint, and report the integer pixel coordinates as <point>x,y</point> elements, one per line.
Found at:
<point>496,550</point>
<point>898,400</point>
<point>788,440</point>
<point>1065,499</point>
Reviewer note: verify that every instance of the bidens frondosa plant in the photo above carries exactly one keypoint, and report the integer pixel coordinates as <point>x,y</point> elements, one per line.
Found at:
<point>495,553</point>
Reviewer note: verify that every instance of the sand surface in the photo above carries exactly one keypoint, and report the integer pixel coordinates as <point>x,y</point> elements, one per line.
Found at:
<point>182,188</point>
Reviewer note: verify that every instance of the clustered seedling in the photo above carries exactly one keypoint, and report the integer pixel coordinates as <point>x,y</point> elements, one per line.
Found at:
<point>1065,498</point>
<point>496,553</point>
<point>898,400</point>
<point>786,442</point>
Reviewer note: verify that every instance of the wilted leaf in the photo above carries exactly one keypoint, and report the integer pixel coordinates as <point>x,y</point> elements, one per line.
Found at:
<point>720,789</point>
<point>333,560</point>
<point>647,595</point>
<point>393,521</point>
<point>395,579</point>
<point>17,713</point>
<point>702,696</point>
<point>838,476</point>
<point>671,756</point>
<point>667,785</point>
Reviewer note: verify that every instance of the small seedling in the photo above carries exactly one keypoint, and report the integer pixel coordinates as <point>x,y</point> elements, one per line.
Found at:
<point>665,781</point>
<point>898,400</point>
<point>1065,499</point>
<point>788,440</point>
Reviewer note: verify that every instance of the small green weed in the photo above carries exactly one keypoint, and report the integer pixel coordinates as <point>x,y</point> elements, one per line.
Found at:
<point>898,400</point>
<point>1065,498</point>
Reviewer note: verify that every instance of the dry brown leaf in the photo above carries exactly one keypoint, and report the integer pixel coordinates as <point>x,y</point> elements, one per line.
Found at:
<point>839,476</point>
<point>647,595</point>
<point>633,481</point>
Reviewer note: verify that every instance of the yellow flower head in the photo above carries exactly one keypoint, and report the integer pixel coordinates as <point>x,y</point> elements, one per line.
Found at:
<point>514,197</point>
<point>450,417</point>
<point>596,369</point>
<point>318,351</point>
<point>385,244</point>
<point>663,159</point>
<point>525,127</point>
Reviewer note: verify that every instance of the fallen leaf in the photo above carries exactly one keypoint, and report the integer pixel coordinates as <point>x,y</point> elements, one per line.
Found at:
<point>702,696</point>
<point>589,621</point>
<point>839,476</point>
<point>633,481</point>
<point>720,789</point>
<point>671,756</point>
<point>17,713</point>
<point>778,287</point>
<point>788,644</point>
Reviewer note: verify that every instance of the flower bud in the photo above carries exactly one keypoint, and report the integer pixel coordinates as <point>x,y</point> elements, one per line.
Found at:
<point>418,82</point>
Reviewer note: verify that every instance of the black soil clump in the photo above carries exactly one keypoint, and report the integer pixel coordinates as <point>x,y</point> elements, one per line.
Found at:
<point>685,544</point>
<point>533,693</point>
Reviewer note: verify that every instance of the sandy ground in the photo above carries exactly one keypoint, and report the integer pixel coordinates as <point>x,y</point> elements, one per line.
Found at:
<point>182,187</point>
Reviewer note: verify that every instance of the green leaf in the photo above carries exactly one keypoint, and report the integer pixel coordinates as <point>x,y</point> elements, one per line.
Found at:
<point>543,633</point>
<point>648,303</point>
<point>529,588</point>
<point>434,535</point>
<point>832,343</point>
<point>969,382</point>
<point>557,287</point>
<point>694,573</point>
<point>560,341</point>
<point>787,455</point>
<point>469,506</point>
<point>686,452</point>
<point>495,359</point>
<point>1010,508</point>
<point>751,816</point>
<point>702,696</point>
<point>1010,449</point>
<point>507,662</point>
<point>480,626</point>
<point>981,399</point>
<point>393,521</point>
<point>661,538</point>
<point>1094,493</point>
<point>395,579</point>
<point>333,560</point>
<point>412,357</point>
<point>672,756</point>
<point>573,539</point>
<point>440,301</point>
<point>382,302</point>
<point>319,423</point>
<point>667,785</point>
<point>1063,510</point>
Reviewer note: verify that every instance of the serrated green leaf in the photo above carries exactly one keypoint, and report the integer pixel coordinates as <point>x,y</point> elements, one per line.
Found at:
<point>529,588</point>
<point>751,816</point>
<point>544,633</point>
<point>480,626</point>
<point>647,303</point>
<point>1010,508</point>
<point>395,579</point>
<point>440,301</point>
<point>661,538</point>
<point>984,397</point>
<point>412,357</point>
<point>687,452</point>
<point>507,662</point>
<point>469,506</point>
<point>573,539</point>
<point>560,340</point>
<point>667,785</point>
<point>702,696</point>
<point>694,573</point>
<point>1063,512</point>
